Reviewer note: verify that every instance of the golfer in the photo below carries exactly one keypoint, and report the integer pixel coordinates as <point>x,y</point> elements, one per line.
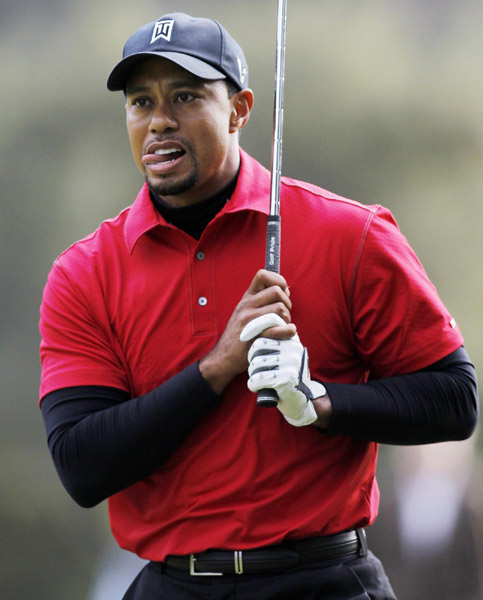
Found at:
<point>159,328</point>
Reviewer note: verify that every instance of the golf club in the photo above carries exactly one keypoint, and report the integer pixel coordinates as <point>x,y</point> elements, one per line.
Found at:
<point>268,397</point>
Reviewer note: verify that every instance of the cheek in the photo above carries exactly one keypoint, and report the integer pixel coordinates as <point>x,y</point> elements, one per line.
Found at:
<point>215,139</point>
<point>136,138</point>
<point>212,155</point>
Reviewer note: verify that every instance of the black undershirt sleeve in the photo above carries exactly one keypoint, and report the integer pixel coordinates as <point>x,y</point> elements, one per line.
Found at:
<point>102,441</point>
<point>436,404</point>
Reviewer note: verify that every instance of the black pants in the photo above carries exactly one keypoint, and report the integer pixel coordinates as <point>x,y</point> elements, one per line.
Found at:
<point>355,579</point>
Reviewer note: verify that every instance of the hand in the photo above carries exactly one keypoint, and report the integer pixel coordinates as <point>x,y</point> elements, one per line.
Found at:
<point>268,293</point>
<point>282,365</point>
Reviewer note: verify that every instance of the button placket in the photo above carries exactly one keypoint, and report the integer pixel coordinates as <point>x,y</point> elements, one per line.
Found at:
<point>203,306</point>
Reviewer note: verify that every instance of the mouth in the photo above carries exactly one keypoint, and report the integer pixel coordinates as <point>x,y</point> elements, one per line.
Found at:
<point>163,154</point>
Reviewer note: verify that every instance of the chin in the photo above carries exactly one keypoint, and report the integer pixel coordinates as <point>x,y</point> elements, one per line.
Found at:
<point>173,187</point>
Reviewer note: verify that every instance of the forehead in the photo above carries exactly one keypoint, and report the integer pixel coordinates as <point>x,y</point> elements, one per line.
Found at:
<point>156,70</point>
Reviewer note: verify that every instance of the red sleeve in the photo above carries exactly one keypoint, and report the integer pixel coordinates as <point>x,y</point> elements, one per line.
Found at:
<point>78,346</point>
<point>400,323</point>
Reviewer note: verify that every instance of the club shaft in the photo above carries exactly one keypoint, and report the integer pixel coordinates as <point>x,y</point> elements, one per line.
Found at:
<point>268,397</point>
<point>272,257</point>
<point>276,167</point>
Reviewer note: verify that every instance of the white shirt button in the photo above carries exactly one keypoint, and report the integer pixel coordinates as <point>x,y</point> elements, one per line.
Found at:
<point>200,255</point>
<point>202,301</point>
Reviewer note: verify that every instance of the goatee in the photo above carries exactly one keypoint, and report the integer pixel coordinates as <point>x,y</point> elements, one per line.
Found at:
<point>168,187</point>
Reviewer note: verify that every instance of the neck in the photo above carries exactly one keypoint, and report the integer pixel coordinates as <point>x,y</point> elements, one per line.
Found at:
<point>193,218</point>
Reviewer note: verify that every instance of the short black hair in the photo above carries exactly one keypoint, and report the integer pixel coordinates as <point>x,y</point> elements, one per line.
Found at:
<point>231,87</point>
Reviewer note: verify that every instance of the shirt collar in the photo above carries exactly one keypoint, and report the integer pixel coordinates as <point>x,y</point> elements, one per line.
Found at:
<point>142,217</point>
<point>253,188</point>
<point>251,193</point>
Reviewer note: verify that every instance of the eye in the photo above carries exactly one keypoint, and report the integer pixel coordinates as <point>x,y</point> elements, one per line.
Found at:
<point>184,97</point>
<point>140,102</point>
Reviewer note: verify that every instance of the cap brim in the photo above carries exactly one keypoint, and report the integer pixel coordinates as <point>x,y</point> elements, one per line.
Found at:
<point>118,76</point>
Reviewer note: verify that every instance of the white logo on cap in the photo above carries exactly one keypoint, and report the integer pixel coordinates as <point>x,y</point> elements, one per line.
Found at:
<point>242,68</point>
<point>162,29</point>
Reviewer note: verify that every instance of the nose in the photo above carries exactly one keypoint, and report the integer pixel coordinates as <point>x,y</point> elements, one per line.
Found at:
<point>162,119</point>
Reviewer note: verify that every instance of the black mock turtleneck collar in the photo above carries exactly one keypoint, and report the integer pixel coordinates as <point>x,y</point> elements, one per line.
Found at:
<point>194,218</point>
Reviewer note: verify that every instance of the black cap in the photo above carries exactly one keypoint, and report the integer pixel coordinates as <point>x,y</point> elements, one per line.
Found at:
<point>201,46</point>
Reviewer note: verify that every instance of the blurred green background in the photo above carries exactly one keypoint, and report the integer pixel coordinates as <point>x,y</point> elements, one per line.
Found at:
<point>383,104</point>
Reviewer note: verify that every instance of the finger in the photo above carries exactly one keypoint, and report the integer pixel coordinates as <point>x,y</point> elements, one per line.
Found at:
<point>287,356</point>
<point>262,347</point>
<point>287,332</point>
<point>268,362</point>
<point>259,325</point>
<point>264,279</point>
<point>272,379</point>
<point>262,380</point>
<point>272,296</point>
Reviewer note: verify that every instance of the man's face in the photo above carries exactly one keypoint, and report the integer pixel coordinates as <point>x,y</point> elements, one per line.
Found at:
<point>183,130</point>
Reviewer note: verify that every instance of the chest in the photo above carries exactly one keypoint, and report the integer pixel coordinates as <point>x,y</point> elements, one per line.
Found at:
<point>175,296</point>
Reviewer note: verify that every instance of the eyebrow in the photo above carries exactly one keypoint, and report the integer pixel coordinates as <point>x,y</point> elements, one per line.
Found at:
<point>136,89</point>
<point>181,83</point>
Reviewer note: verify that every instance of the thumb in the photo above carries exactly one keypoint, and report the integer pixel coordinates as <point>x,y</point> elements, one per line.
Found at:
<point>257,326</point>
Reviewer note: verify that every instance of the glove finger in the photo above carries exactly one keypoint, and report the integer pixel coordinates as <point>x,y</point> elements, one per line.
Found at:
<point>262,380</point>
<point>263,346</point>
<point>281,381</point>
<point>264,362</point>
<point>257,326</point>
<point>290,351</point>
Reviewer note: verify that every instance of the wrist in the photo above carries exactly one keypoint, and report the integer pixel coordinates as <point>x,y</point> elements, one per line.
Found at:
<point>214,374</point>
<point>323,408</point>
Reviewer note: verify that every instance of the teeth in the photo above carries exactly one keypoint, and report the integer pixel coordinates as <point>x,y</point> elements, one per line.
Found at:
<point>164,151</point>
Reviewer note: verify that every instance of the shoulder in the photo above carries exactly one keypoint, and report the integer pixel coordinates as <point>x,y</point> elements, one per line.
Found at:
<point>91,257</point>
<point>320,199</point>
<point>107,237</point>
<point>77,280</point>
<point>308,202</point>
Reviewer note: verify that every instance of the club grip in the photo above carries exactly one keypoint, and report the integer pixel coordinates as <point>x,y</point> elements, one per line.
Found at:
<point>267,398</point>
<point>272,254</point>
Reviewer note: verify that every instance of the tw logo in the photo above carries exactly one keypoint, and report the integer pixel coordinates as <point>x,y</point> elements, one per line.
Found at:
<point>162,29</point>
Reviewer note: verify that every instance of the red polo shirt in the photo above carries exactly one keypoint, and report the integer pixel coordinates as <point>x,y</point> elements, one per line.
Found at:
<point>138,300</point>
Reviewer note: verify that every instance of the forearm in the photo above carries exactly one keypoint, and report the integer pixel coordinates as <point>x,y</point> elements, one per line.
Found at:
<point>418,408</point>
<point>102,443</point>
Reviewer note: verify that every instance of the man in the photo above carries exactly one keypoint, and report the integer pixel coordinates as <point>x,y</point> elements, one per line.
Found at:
<point>150,324</point>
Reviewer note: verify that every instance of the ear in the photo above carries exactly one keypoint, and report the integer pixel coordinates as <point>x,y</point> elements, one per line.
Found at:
<point>242,103</point>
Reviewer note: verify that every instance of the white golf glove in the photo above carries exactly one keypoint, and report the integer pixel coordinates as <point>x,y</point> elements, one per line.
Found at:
<point>282,365</point>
